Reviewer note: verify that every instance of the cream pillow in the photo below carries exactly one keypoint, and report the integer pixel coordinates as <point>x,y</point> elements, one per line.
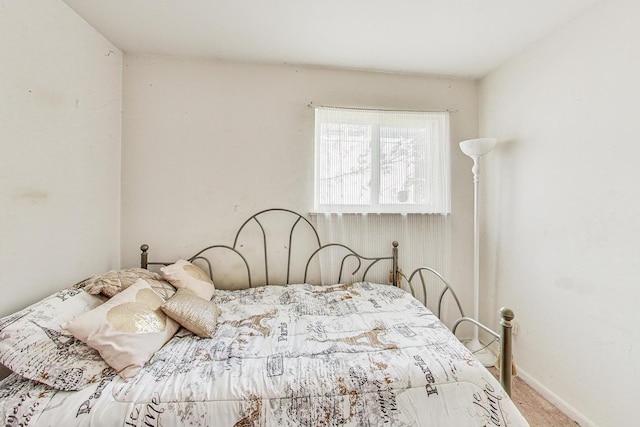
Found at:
<point>127,329</point>
<point>183,274</point>
<point>196,314</point>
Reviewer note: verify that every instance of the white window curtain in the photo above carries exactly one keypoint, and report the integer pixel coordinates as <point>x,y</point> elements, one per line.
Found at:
<point>383,176</point>
<point>424,240</point>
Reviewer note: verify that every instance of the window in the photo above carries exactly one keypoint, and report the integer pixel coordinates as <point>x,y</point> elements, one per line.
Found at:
<point>381,161</point>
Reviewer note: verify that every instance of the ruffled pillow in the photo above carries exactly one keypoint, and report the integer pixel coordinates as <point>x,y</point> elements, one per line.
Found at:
<point>33,345</point>
<point>184,274</point>
<point>196,314</point>
<point>116,281</point>
<point>127,329</point>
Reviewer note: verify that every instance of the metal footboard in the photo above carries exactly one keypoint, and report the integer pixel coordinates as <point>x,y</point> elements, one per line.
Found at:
<point>436,306</point>
<point>505,340</point>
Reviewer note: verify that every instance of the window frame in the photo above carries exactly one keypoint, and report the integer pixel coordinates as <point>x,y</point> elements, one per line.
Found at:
<point>437,118</point>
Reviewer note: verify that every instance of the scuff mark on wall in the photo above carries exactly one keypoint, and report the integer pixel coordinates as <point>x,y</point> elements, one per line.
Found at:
<point>48,96</point>
<point>32,195</point>
<point>569,284</point>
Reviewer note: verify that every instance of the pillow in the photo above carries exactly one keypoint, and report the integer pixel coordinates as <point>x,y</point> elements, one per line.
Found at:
<point>115,281</point>
<point>192,312</point>
<point>183,274</point>
<point>33,345</point>
<point>127,329</point>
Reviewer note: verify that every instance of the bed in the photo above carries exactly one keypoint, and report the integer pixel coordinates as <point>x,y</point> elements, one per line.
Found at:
<point>172,344</point>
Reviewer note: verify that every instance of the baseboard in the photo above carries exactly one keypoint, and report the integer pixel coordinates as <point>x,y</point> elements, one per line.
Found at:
<point>567,409</point>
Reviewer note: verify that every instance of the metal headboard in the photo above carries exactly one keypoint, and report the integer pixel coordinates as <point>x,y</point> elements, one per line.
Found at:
<point>298,221</point>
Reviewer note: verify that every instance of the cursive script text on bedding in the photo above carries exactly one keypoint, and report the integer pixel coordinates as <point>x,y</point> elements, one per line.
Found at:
<point>489,401</point>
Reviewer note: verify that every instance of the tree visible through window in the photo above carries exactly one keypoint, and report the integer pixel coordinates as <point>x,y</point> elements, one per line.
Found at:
<point>381,161</point>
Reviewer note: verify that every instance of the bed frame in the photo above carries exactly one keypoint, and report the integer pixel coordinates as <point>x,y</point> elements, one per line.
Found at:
<point>285,226</point>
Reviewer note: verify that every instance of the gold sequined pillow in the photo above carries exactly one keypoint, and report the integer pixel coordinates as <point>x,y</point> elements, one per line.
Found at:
<point>126,330</point>
<point>183,274</point>
<point>196,314</point>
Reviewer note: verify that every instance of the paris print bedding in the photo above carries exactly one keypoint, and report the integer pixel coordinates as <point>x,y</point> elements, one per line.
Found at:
<point>297,355</point>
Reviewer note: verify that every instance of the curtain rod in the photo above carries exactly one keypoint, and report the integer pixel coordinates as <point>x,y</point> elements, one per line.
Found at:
<point>312,105</point>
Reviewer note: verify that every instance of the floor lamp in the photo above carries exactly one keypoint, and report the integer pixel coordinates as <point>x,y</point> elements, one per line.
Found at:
<point>476,148</point>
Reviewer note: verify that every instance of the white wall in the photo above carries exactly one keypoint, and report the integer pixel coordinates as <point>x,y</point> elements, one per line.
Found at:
<point>563,209</point>
<point>208,143</point>
<point>60,101</point>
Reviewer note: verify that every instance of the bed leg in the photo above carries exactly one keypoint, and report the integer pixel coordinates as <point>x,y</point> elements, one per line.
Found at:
<point>506,349</point>
<point>143,256</point>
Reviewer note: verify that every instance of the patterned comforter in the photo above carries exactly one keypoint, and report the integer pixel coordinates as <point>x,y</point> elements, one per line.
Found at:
<point>297,355</point>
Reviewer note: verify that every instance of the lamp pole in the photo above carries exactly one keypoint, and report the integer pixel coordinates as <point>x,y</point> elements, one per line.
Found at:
<point>476,148</point>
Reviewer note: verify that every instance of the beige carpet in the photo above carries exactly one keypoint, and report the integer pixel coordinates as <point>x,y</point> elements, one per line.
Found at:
<point>538,411</point>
